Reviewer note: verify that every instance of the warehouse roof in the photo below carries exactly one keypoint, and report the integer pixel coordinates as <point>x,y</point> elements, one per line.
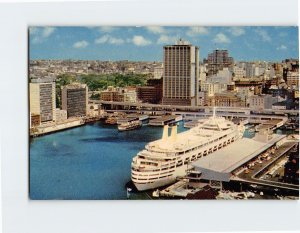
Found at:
<point>234,155</point>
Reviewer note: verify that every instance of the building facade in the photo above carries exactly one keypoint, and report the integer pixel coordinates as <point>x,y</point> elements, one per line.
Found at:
<point>261,102</point>
<point>61,115</point>
<point>225,100</point>
<point>181,74</point>
<point>75,99</point>
<point>217,60</point>
<point>42,99</point>
<point>293,79</point>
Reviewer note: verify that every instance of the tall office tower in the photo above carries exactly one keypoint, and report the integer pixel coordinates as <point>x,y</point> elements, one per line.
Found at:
<point>75,99</point>
<point>42,98</point>
<point>181,74</point>
<point>217,60</point>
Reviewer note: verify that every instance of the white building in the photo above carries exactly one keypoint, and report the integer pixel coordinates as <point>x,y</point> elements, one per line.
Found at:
<point>130,95</point>
<point>239,72</point>
<point>213,88</point>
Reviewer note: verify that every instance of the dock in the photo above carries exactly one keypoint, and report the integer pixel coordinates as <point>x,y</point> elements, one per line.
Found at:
<point>253,177</point>
<point>54,127</point>
<point>271,124</point>
<point>165,120</point>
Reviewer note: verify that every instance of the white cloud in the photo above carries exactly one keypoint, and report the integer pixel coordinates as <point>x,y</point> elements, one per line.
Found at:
<point>194,31</point>
<point>80,44</point>
<point>109,39</point>
<point>47,31</point>
<point>281,47</point>
<point>156,29</point>
<point>221,38</point>
<point>164,39</point>
<point>263,34</point>
<point>140,41</point>
<point>40,34</point>
<point>237,31</point>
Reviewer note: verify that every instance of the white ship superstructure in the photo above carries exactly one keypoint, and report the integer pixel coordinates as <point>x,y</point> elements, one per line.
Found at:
<point>165,160</point>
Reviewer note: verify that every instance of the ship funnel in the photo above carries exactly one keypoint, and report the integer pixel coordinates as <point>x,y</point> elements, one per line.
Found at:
<point>165,132</point>
<point>174,133</point>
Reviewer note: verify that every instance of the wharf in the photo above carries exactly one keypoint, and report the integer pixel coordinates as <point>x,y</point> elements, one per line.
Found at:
<point>253,177</point>
<point>270,124</point>
<point>164,120</point>
<point>54,127</point>
<point>131,117</point>
<point>182,189</point>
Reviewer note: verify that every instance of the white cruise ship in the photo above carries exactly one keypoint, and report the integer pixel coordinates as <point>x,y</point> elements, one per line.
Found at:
<point>164,160</point>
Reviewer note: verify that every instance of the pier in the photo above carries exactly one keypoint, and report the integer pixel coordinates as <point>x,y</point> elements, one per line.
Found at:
<point>164,120</point>
<point>54,127</point>
<point>253,177</point>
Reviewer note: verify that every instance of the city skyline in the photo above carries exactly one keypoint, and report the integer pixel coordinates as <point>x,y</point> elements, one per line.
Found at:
<point>145,43</point>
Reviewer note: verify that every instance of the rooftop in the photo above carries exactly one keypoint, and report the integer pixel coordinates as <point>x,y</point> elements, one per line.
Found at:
<point>234,155</point>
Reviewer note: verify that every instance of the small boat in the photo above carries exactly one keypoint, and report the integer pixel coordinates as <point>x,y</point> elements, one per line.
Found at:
<point>130,125</point>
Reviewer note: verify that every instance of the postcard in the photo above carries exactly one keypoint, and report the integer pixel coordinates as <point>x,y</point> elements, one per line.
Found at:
<point>163,112</point>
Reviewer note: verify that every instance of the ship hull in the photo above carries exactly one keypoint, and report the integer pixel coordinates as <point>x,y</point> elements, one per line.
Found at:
<point>156,184</point>
<point>179,172</point>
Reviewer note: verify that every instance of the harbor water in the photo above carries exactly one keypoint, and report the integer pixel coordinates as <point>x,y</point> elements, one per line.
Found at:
<point>89,162</point>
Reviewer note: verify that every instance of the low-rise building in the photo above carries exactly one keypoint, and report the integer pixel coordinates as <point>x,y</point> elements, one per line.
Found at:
<point>61,115</point>
<point>93,110</point>
<point>117,94</point>
<point>225,100</point>
<point>213,88</point>
<point>130,94</point>
<point>261,102</point>
<point>35,120</point>
<point>112,94</point>
<point>293,79</point>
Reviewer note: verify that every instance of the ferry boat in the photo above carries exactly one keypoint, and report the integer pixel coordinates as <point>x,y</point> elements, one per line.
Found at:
<point>130,125</point>
<point>164,160</point>
<point>111,120</point>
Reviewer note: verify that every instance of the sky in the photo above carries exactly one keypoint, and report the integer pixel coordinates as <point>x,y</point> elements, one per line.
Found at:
<point>146,43</point>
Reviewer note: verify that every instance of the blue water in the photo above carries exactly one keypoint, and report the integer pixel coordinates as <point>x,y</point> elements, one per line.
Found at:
<point>89,162</point>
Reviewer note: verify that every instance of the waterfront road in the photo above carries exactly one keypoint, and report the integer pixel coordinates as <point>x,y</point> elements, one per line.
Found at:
<point>255,172</point>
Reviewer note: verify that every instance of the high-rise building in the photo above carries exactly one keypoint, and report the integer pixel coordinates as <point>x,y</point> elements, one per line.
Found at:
<point>181,74</point>
<point>42,99</point>
<point>217,60</point>
<point>75,99</point>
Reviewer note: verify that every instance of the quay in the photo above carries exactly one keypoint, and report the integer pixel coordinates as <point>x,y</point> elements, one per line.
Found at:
<point>271,124</point>
<point>253,177</point>
<point>230,165</point>
<point>131,117</point>
<point>48,128</point>
<point>164,120</point>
